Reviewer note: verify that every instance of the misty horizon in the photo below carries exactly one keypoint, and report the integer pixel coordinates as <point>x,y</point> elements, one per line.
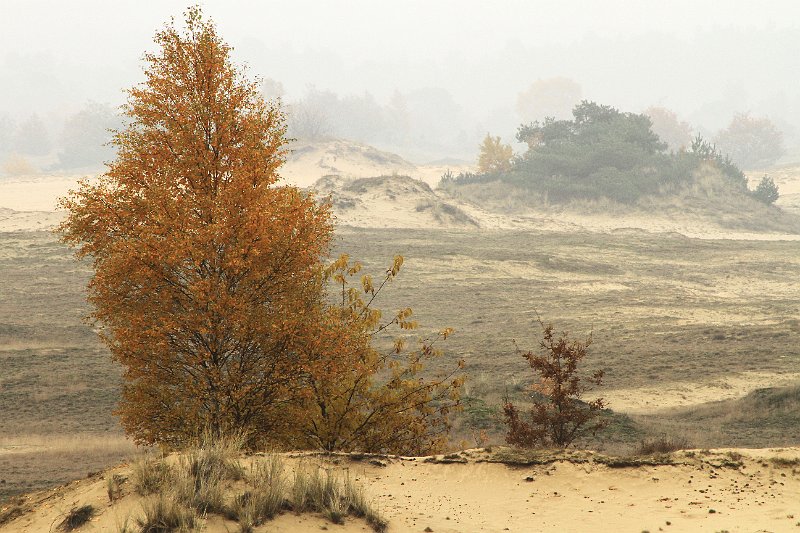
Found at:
<point>701,62</point>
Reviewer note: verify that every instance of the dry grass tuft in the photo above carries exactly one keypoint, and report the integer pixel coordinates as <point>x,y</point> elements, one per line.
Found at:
<point>324,491</point>
<point>150,475</point>
<point>360,507</point>
<point>201,478</point>
<point>77,517</point>
<point>267,498</point>
<point>662,444</point>
<point>10,514</point>
<point>216,458</point>
<point>163,514</point>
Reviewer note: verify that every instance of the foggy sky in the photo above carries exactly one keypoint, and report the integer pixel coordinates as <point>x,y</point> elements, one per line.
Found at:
<point>705,60</point>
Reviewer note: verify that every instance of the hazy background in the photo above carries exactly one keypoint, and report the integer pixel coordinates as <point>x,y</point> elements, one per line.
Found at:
<point>440,75</point>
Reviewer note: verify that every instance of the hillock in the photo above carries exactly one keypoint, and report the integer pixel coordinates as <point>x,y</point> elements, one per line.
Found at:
<point>606,154</point>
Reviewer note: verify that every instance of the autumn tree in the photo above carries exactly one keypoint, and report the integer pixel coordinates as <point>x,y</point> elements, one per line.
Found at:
<point>669,128</point>
<point>205,270</point>
<point>211,286</point>
<point>558,415</point>
<point>751,142</point>
<point>494,155</point>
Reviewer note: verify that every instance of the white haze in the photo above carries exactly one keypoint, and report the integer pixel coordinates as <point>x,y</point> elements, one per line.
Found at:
<point>704,60</point>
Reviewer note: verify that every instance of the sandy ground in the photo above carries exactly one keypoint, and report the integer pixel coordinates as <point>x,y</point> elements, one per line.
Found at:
<point>720,490</point>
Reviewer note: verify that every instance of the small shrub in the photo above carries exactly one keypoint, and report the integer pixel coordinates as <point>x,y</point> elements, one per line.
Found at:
<point>77,517</point>
<point>735,456</point>
<point>766,191</point>
<point>558,416</point>
<point>114,484</point>
<point>163,514</point>
<point>662,444</point>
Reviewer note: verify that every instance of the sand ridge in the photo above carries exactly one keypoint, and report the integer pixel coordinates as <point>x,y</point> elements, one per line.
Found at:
<point>698,490</point>
<point>394,201</point>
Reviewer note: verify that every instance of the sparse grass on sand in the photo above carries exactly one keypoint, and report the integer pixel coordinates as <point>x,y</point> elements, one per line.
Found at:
<point>180,491</point>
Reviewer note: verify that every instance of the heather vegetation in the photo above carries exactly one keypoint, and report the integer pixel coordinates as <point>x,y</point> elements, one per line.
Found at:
<point>211,477</point>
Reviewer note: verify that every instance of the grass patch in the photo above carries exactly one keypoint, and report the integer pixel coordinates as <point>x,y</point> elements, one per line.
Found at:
<point>150,475</point>
<point>635,462</point>
<point>764,417</point>
<point>209,479</point>
<point>513,456</point>
<point>661,445</point>
<point>163,514</point>
<point>333,495</point>
<point>785,462</point>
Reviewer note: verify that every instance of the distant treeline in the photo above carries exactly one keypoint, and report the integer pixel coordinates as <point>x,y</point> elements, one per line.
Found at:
<point>81,141</point>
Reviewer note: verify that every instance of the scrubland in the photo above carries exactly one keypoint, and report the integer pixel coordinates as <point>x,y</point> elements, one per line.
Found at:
<point>695,332</point>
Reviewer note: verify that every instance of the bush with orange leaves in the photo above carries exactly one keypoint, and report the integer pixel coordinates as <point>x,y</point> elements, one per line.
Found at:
<point>558,415</point>
<point>210,286</point>
<point>407,412</point>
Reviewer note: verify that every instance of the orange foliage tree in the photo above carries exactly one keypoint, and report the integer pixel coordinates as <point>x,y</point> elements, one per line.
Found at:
<point>558,415</point>
<point>494,156</point>
<point>210,287</point>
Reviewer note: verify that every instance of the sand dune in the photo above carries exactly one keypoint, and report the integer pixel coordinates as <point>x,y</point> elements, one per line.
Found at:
<point>309,162</point>
<point>372,188</point>
<point>403,202</point>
